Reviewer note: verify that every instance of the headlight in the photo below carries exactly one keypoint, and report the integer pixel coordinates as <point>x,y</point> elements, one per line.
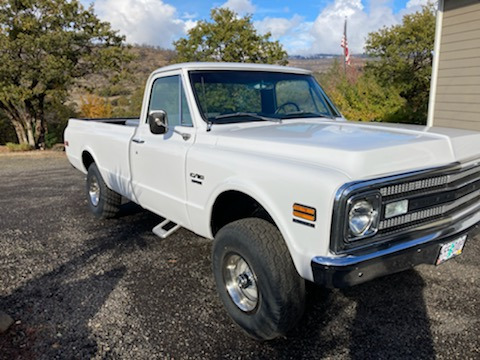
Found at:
<point>363,217</point>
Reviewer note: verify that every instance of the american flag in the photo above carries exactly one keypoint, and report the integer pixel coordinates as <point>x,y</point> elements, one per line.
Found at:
<point>344,45</point>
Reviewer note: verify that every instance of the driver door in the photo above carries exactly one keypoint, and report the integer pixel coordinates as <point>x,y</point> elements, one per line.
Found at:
<point>158,160</point>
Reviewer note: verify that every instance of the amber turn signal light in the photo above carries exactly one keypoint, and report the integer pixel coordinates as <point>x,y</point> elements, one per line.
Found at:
<point>304,212</point>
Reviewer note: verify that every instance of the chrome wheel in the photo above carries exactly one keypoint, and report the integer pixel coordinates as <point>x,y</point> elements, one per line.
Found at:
<point>94,191</point>
<point>240,282</point>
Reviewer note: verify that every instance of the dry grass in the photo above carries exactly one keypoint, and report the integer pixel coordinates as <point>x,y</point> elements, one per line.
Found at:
<point>4,151</point>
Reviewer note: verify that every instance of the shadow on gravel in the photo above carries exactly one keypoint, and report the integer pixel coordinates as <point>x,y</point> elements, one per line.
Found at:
<point>389,321</point>
<point>56,308</point>
<point>129,209</point>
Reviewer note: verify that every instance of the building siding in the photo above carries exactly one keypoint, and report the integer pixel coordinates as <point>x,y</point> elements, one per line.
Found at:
<point>457,98</point>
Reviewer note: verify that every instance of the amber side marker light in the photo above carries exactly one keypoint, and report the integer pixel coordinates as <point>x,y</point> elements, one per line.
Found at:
<point>304,212</point>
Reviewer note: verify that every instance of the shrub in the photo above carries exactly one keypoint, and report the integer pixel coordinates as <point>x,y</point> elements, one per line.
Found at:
<point>50,140</point>
<point>95,107</point>
<point>18,147</point>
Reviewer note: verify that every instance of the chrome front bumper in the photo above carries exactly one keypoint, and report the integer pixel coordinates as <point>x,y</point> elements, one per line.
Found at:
<point>349,270</point>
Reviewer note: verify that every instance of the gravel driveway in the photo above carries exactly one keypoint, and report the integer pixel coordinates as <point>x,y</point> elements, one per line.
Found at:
<point>85,288</point>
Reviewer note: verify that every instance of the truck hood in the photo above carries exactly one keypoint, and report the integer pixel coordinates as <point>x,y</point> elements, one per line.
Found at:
<point>359,150</point>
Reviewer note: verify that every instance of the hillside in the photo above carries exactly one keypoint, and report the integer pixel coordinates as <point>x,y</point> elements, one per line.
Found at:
<point>123,91</point>
<point>322,65</point>
<point>111,95</point>
<point>123,96</point>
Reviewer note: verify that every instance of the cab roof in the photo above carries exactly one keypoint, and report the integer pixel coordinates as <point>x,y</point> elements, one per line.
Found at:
<point>192,66</point>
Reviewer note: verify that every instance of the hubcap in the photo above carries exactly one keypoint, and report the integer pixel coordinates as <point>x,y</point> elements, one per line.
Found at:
<point>94,191</point>
<point>240,282</point>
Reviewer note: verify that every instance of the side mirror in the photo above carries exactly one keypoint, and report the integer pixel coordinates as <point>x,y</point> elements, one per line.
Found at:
<point>158,121</point>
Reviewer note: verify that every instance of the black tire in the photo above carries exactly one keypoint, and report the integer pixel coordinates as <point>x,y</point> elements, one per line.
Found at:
<point>280,290</point>
<point>108,202</point>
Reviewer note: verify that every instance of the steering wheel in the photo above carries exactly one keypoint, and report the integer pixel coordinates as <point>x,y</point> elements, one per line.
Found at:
<point>288,103</point>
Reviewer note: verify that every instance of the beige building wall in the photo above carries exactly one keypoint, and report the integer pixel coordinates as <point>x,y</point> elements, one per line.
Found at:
<point>456,89</point>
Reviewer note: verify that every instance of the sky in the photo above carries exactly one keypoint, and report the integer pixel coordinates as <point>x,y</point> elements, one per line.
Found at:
<point>302,27</point>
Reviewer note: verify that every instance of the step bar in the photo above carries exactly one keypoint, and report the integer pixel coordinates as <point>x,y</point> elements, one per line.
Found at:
<point>165,228</point>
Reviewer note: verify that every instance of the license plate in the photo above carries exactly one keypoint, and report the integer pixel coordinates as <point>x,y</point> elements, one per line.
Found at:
<point>451,249</point>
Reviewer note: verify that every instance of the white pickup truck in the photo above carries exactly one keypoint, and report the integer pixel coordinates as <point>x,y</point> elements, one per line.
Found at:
<point>259,159</point>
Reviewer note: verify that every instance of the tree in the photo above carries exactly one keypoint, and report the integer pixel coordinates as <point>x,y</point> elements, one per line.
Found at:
<point>229,38</point>
<point>45,46</point>
<point>359,96</point>
<point>404,55</point>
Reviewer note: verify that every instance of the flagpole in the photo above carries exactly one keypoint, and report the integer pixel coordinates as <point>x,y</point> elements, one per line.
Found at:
<point>344,54</point>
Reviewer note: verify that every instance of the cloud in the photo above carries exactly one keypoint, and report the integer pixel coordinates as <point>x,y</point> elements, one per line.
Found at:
<point>189,24</point>
<point>278,27</point>
<point>150,22</point>
<point>156,22</point>
<point>293,33</point>
<point>188,16</point>
<point>241,7</point>
<point>327,29</point>
<point>325,33</point>
<point>416,3</point>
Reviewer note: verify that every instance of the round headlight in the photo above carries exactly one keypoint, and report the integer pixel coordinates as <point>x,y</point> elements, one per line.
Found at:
<point>362,217</point>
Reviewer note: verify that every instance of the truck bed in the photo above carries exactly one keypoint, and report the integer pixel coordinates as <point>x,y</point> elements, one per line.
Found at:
<point>110,145</point>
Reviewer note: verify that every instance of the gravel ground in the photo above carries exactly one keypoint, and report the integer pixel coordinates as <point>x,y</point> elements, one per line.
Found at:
<point>81,288</point>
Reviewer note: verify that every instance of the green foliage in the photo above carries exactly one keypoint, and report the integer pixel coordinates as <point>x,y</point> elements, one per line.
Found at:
<point>128,106</point>
<point>222,98</point>
<point>229,38</point>
<point>18,147</point>
<point>50,140</point>
<point>404,55</point>
<point>113,90</point>
<point>57,114</point>
<point>360,96</point>
<point>46,45</point>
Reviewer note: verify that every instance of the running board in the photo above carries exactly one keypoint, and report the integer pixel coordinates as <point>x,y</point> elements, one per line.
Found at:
<point>165,228</point>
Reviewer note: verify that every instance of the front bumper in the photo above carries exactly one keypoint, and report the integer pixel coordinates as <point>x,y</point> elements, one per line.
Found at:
<point>349,270</point>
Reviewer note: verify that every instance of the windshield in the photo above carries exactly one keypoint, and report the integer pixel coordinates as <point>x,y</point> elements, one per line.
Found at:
<point>238,96</point>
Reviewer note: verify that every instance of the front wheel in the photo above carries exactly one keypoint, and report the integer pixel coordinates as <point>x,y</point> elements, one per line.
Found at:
<point>256,279</point>
<point>102,201</point>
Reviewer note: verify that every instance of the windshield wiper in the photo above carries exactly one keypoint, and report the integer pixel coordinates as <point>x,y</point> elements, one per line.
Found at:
<point>245,114</point>
<point>307,113</point>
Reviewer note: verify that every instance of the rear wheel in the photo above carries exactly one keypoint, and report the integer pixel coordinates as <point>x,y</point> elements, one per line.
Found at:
<point>102,202</point>
<point>256,279</point>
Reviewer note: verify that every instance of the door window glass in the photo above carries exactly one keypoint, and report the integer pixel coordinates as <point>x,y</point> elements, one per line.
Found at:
<point>168,95</point>
<point>186,119</point>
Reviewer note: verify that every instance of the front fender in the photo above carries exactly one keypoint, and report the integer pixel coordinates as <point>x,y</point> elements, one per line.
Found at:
<point>276,186</point>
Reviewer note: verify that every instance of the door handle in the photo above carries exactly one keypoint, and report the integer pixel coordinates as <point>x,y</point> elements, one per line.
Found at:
<point>138,141</point>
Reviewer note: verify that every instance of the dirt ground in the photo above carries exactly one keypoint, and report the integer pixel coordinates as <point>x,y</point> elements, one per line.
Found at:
<point>81,288</point>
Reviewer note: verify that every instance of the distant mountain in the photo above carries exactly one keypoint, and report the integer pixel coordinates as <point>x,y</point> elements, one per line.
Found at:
<point>324,56</point>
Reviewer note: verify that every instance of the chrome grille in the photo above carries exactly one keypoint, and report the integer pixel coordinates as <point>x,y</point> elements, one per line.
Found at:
<point>414,185</point>
<point>450,192</point>
<point>404,219</point>
<point>438,198</point>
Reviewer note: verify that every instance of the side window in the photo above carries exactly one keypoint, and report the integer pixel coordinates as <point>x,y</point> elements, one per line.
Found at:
<point>168,95</point>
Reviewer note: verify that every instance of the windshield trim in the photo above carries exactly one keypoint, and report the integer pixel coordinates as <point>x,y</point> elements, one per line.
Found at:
<point>335,113</point>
